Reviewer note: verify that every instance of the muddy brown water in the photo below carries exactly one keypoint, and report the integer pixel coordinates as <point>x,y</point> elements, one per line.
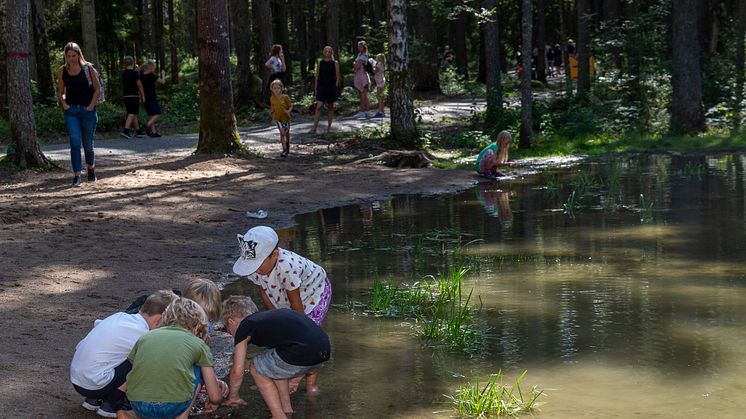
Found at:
<point>628,306</point>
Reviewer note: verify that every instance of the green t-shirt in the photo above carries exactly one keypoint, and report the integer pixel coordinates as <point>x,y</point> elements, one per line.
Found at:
<point>492,146</point>
<point>163,365</point>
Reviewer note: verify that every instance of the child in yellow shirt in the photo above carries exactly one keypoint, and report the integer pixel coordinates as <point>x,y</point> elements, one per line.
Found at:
<point>281,108</point>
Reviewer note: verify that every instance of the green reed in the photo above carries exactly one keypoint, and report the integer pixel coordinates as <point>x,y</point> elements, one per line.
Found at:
<point>646,209</point>
<point>495,399</point>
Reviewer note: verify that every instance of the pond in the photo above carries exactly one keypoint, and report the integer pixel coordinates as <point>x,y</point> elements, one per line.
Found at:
<point>618,284</point>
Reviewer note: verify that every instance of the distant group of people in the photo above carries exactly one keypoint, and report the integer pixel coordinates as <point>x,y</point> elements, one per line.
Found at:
<point>553,59</point>
<point>152,360</point>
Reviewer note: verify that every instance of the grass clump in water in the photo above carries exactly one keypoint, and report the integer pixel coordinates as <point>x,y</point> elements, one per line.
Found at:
<point>443,316</point>
<point>495,399</point>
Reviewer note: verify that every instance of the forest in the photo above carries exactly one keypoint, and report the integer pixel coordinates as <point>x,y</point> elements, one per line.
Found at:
<point>660,67</point>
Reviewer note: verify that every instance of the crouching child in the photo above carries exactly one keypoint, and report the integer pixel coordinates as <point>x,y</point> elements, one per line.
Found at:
<point>295,346</point>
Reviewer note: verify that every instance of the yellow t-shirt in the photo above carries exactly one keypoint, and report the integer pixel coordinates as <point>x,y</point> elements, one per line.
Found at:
<point>280,105</point>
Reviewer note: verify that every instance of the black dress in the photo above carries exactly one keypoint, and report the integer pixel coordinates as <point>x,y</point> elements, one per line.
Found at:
<point>326,84</point>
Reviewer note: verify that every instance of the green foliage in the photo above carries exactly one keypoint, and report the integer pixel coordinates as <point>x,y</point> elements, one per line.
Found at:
<point>454,84</point>
<point>495,399</point>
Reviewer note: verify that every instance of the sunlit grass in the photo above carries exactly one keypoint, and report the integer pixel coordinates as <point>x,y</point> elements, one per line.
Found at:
<point>495,399</point>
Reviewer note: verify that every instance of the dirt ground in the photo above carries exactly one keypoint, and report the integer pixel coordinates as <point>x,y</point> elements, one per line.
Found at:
<point>157,217</point>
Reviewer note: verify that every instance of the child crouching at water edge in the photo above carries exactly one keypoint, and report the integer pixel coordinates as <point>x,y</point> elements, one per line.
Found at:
<point>170,364</point>
<point>295,346</point>
<point>494,155</point>
<point>281,108</point>
<point>205,293</point>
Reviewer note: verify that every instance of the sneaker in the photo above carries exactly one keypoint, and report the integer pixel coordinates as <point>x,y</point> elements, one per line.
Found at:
<point>154,134</point>
<point>106,411</point>
<point>126,134</point>
<point>140,132</point>
<point>91,404</point>
<point>76,181</point>
<point>91,175</point>
<point>379,115</point>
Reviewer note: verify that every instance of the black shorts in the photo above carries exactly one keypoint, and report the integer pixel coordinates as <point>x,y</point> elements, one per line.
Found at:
<point>152,108</point>
<point>277,76</point>
<point>326,94</point>
<point>132,104</point>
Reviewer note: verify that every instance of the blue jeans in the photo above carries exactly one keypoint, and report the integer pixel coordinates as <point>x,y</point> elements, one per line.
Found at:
<point>81,124</point>
<point>161,410</point>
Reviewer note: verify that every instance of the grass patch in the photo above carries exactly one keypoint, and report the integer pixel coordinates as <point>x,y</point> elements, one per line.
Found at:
<point>495,399</point>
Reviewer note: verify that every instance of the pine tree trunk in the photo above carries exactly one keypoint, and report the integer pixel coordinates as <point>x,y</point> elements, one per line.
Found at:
<point>527,122</point>
<point>263,25</point>
<point>283,38</point>
<point>88,26</point>
<point>174,52</point>
<point>160,54</point>
<point>3,64</point>
<point>687,114</point>
<point>425,69</point>
<point>217,127</point>
<point>298,15</point>
<point>43,67</point>
<point>541,41</point>
<point>248,92</point>
<point>403,126</point>
<point>458,27</point>
<point>565,56</point>
<point>22,125</point>
<point>740,12</point>
<point>612,15</point>
<point>332,24</point>
<point>584,75</point>
<point>492,64</point>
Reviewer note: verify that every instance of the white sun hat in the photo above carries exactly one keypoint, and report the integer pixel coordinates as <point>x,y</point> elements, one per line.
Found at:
<point>256,245</point>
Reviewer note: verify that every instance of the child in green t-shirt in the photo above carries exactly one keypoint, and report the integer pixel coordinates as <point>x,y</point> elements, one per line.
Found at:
<point>494,155</point>
<point>170,364</point>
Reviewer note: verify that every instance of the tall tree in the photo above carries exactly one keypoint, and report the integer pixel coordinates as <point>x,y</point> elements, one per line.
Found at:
<point>245,83</point>
<point>332,24</point>
<point>217,126</point>
<point>298,14</point>
<point>425,64</point>
<point>740,60</point>
<point>172,46</point>
<point>22,126</point>
<point>403,126</point>
<point>3,64</point>
<point>492,63</point>
<point>541,41</point>
<point>88,25</point>
<point>458,35</point>
<point>687,113</point>
<point>263,25</point>
<point>527,120</point>
<point>283,37</point>
<point>584,74</point>
<point>44,82</point>
<point>160,54</point>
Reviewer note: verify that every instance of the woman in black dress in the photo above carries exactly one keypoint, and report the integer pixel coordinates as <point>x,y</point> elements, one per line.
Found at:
<point>328,80</point>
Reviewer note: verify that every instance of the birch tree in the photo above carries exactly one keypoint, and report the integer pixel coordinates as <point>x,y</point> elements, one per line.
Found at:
<point>217,122</point>
<point>403,126</point>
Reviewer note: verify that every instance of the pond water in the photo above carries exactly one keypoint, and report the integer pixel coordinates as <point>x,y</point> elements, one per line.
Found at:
<point>633,303</point>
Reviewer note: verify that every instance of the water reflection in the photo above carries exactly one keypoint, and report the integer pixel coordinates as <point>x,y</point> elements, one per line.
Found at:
<point>603,308</point>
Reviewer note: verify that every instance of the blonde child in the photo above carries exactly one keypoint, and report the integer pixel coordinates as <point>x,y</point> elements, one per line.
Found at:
<point>494,155</point>
<point>100,366</point>
<point>295,346</point>
<point>285,280</point>
<point>378,71</point>
<point>362,79</point>
<point>276,64</point>
<point>280,111</point>
<point>170,363</point>
<point>151,105</point>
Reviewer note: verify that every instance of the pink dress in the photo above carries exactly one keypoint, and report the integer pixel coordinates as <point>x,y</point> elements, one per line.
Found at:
<point>362,80</point>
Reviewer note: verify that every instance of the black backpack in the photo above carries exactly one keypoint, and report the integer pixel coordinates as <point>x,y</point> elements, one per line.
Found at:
<point>369,67</point>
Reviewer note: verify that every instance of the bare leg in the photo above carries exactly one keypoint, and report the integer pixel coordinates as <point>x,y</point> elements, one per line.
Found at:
<point>294,383</point>
<point>364,101</point>
<point>131,118</point>
<point>316,116</point>
<point>269,391</point>
<point>312,387</point>
<point>282,389</point>
<point>151,123</point>
<point>329,116</point>
<point>381,103</point>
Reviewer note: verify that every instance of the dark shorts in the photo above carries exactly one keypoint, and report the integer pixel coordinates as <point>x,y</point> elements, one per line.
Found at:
<point>110,392</point>
<point>326,94</point>
<point>277,76</point>
<point>152,108</point>
<point>132,104</point>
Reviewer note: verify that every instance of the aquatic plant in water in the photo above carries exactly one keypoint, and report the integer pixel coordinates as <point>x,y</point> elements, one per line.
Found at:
<point>495,399</point>
<point>646,209</point>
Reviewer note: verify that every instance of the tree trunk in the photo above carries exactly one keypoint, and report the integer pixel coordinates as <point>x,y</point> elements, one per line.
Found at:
<point>248,92</point>
<point>740,13</point>
<point>541,41</point>
<point>43,67</point>
<point>687,114</point>
<point>263,25</point>
<point>527,122</point>
<point>492,64</point>
<point>403,126</point>
<point>584,75</point>
<point>458,27</point>
<point>217,127</point>
<point>612,15</point>
<point>160,54</point>
<point>22,126</point>
<point>146,28</point>
<point>332,24</point>
<point>3,64</point>
<point>283,38</point>
<point>565,56</point>
<point>172,43</point>
<point>88,26</point>
<point>298,15</point>
<point>425,66</point>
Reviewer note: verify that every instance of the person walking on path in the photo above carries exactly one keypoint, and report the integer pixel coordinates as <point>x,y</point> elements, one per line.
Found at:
<point>326,84</point>
<point>276,64</point>
<point>362,79</point>
<point>133,96</point>
<point>151,105</point>
<point>78,91</point>
<point>280,108</point>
